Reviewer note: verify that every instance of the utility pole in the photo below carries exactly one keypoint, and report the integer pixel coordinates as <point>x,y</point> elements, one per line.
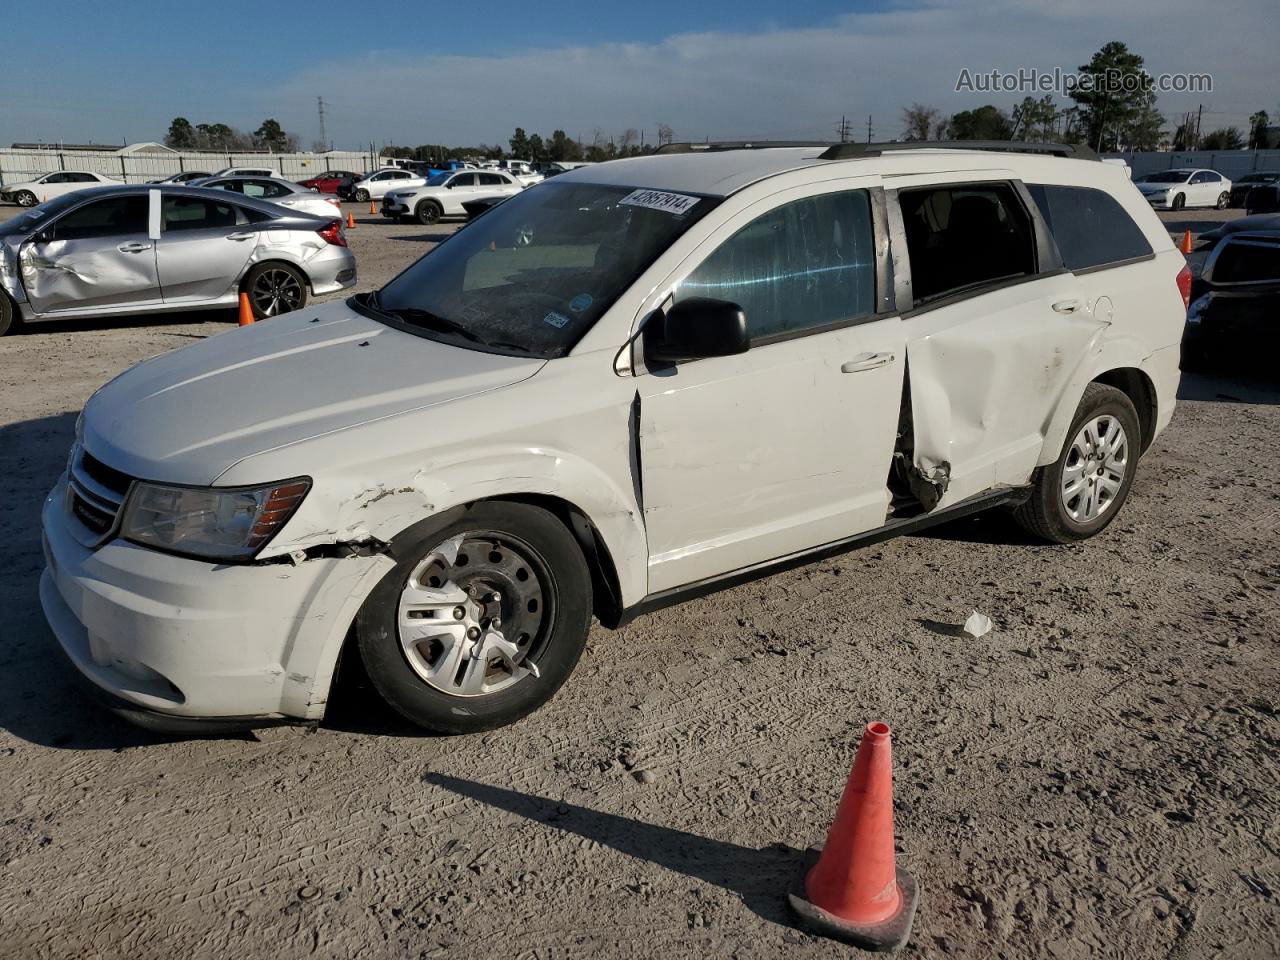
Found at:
<point>843,129</point>
<point>868,128</point>
<point>1199,114</point>
<point>320,110</point>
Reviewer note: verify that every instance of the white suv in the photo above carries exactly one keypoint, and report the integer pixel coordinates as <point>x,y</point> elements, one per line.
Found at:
<point>636,383</point>
<point>375,185</point>
<point>445,193</point>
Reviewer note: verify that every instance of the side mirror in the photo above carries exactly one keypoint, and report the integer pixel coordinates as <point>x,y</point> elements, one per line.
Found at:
<point>695,328</point>
<point>44,236</point>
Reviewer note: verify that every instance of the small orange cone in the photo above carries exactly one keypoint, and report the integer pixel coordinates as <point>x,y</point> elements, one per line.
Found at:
<point>373,207</point>
<point>351,221</point>
<point>1186,242</point>
<point>852,889</point>
<point>46,199</point>
<point>246,311</point>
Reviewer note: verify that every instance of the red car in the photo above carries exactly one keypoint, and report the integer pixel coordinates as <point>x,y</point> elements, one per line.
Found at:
<point>328,181</point>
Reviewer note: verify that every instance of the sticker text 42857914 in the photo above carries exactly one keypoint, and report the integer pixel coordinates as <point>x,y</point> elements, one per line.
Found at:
<point>673,203</point>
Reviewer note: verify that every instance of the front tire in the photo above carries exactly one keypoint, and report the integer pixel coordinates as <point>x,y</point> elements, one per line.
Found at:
<point>25,198</point>
<point>1082,492</point>
<point>275,288</point>
<point>480,622</point>
<point>8,315</point>
<point>428,212</point>
<point>1179,202</point>
<point>362,196</point>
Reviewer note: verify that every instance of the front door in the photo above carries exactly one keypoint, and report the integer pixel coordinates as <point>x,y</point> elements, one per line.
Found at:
<point>97,255</point>
<point>757,456</point>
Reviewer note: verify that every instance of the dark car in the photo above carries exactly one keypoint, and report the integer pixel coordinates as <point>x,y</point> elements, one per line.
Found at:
<point>1241,186</point>
<point>331,181</point>
<point>1264,198</point>
<point>1235,302</point>
<point>1262,223</point>
<point>186,176</point>
<point>475,208</point>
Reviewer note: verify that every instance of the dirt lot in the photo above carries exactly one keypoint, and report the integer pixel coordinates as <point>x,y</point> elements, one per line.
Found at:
<point>1097,777</point>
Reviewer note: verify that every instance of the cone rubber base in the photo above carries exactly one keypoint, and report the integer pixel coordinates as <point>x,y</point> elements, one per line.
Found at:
<point>892,934</point>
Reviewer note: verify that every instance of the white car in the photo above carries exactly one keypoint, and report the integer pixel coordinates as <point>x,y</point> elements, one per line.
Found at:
<point>444,194</point>
<point>522,171</point>
<point>376,185</point>
<point>1185,187</point>
<point>280,192</point>
<point>30,192</point>
<point>248,172</point>
<point>636,383</point>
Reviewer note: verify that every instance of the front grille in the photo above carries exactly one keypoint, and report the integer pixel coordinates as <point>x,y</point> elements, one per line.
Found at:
<point>96,492</point>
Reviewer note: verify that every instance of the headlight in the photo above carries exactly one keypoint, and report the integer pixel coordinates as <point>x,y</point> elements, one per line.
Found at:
<point>222,524</point>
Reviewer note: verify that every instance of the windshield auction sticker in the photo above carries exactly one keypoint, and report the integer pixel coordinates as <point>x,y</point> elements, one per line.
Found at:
<point>673,203</point>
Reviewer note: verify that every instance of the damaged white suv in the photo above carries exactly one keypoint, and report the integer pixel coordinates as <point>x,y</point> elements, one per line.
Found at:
<point>638,383</point>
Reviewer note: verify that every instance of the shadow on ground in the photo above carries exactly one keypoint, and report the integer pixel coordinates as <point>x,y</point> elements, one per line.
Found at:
<point>135,321</point>
<point>759,877</point>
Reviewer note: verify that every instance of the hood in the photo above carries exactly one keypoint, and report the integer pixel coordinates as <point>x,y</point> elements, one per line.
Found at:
<point>188,416</point>
<point>1157,187</point>
<point>1259,222</point>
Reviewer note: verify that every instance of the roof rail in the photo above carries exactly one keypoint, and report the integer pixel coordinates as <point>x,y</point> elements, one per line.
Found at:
<point>715,146</point>
<point>853,151</point>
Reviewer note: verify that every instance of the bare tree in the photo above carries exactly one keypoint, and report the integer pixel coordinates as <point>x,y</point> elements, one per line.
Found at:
<point>665,134</point>
<point>917,121</point>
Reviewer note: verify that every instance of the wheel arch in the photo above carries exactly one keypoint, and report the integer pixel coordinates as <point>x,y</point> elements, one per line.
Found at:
<point>274,258</point>
<point>1137,386</point>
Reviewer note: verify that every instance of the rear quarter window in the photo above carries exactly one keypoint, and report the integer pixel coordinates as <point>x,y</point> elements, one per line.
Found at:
<point>1090,226</point>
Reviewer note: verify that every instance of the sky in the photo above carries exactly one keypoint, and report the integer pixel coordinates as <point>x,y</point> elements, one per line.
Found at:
<point>470,72</point>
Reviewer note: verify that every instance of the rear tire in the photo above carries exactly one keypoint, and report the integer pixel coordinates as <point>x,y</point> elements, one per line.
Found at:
<point>275,288</point>
<point>1077,496</point>
<point>428,212</point>
<point>1224,201</point>
<point>481,621</point>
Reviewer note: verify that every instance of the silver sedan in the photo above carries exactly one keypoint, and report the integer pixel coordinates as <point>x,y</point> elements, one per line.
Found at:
<point>156,248</point>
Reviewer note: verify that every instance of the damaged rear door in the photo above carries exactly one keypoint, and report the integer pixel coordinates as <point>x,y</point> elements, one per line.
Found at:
<point>203,249</point>
<point>759,455</point>
<point>99,254</point>
<point>996,329</point>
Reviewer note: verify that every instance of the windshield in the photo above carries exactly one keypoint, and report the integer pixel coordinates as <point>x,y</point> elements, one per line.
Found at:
<point>1170,176</point>
<point>438,179</point>
<point>534,273</point>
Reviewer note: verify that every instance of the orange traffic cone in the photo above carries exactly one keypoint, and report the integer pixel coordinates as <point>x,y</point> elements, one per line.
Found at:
<point>373,207</point>
<point>851,889</point>
<point>246,311</point>
<point>1186,242</point>
<point>351,221</point>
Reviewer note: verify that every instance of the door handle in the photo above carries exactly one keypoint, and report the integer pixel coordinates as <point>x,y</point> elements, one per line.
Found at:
<point>134,247</point>
<point>240,236</point>
<point>866,361</point>
<point>1067,306</point>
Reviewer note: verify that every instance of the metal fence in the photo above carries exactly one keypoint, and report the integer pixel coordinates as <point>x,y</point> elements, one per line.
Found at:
<point>19,165</point>
<point>1229,163</point>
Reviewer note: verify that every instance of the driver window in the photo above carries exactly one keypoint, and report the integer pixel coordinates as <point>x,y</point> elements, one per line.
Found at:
<point>805,265</point>
<point>113,217</point>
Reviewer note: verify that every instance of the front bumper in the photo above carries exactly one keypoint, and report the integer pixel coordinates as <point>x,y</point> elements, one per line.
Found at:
<point>393,207</point>
<point>1159,201</point>
<point>185,640</point>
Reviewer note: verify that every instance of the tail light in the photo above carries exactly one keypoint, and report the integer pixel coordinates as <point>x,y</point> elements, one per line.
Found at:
<point>334,234</point>
<point>1184,285</point>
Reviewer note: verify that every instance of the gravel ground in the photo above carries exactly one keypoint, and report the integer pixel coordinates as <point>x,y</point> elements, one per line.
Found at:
<point>1096,777</point>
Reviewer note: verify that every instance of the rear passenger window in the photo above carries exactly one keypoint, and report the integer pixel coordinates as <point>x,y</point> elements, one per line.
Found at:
<point>1091,227</point>
<point>806,265</point>
<point>965,237</point>
<point>195,213</point>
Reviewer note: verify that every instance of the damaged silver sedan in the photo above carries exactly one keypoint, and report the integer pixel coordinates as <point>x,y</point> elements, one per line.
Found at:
<point>631,385</point>
<point>150,248</point>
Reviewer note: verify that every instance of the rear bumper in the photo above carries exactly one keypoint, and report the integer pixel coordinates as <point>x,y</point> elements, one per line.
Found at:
<point>331,270</point>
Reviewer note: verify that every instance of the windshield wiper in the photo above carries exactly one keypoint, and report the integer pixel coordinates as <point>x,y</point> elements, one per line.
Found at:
<point>425,318</point>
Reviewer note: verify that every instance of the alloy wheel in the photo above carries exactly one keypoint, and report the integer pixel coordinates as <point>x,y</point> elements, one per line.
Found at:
<point>474,615</point>
<point>1094,472</point>
<point>276,291</point>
